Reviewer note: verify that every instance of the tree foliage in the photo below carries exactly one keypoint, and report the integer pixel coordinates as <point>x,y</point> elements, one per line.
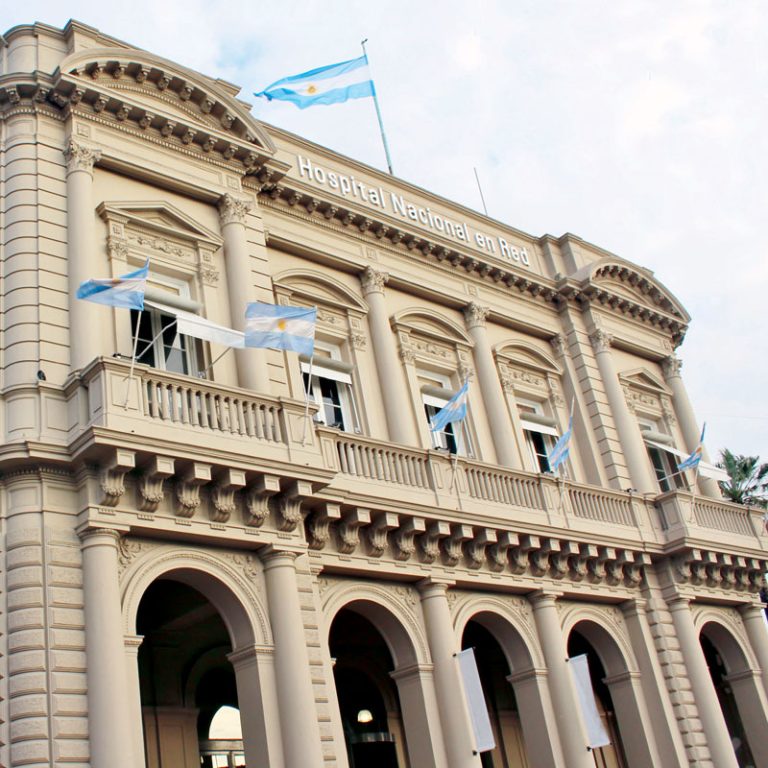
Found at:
<point>748,479</point>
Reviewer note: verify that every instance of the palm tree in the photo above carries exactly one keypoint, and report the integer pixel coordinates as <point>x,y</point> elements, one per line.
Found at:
<point>748,479</point>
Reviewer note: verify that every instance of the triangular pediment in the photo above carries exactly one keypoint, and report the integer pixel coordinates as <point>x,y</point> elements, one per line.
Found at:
<point>642,379</point>
<point>160,217</point>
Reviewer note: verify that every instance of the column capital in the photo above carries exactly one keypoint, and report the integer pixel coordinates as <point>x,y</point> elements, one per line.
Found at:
<point>559,345</point>
<point>373,280</point>
<point>233,209</point>
<point>751,611</point>
<point>671,366</point>
<point>541,598</point>
<point>81,157</point>
<point>88,536</point>
<point>433,587</point>
<point>635,607</point>
<point>601,340</point>
<point>276,555</point>
<point>679,602</point>
<point>475,315</point>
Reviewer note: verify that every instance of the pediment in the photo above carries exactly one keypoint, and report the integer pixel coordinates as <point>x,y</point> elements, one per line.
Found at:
<point>644,380</point>
<point>524,355</point>
<point>430,324</point>
<point>319,289</point>
<point>160,218</point>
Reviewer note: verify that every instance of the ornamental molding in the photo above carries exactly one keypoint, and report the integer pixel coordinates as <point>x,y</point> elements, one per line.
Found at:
<point>373,281</point>
<point>80,157</point>
<point>475,315</point>
<point>234,210</point>
<point>602,341</point>
<point>717,570</point>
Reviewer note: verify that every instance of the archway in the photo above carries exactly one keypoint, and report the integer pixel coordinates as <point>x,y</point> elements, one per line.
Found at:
<point>368,699</point>
<point>738,689</point>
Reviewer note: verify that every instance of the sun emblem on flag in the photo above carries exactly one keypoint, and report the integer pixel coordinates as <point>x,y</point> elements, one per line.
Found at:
<point>311,89</point>
<point>281,324</point>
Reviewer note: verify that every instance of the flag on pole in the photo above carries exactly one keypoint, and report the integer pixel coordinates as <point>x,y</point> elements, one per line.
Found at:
<point>597,735</point>
<point>692,462</point>
<point>454,410</point>
<point>126,291</point>
<point>562,448</point>
<point>276,327</point>
<point>331,84</point>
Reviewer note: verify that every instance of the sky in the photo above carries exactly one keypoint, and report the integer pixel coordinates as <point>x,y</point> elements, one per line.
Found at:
<point>639,125</point>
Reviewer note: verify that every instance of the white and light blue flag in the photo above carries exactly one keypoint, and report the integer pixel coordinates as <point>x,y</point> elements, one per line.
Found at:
<point>332,84</point>
<point>276,327</point>
<point>562,448</point>
<point>454,410</point>
<point>126,291</point>
<point>692,462</point>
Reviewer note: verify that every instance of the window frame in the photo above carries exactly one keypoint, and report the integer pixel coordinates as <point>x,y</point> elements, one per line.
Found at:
<point>453,441</point>
<point>538,428</point>
<point>663,463</point>
<point>336,376</point>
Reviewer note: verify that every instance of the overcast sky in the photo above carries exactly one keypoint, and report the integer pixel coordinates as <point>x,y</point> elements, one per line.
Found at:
<point>639,126</point>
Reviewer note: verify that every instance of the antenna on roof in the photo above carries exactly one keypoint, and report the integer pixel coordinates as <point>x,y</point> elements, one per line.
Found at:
<point>482,197</point>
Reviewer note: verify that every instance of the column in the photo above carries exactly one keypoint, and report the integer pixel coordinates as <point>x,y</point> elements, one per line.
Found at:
<point>111,731</point>
<point>654,686</point>
<point>252,369</point>
<point>490,387</point>
<point>84,318</point>
<point>757,632</point>
<point>443,647</point>
<point>295,695</point>
<point>628,430</point>
<point>710,714</point>
<point>684,412</point>
<point>564,701</point>
<point>133,704</point>
<point>393,393</point>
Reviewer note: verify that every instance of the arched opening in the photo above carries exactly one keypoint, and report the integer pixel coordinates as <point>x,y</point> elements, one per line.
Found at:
<point>729,698</point>
<point>185,678</point>
<point>614,754</point>
<point>368,699</point>
<point>500,700</point>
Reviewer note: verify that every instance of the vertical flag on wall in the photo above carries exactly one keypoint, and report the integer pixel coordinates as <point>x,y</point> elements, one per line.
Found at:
<point>454,410</point>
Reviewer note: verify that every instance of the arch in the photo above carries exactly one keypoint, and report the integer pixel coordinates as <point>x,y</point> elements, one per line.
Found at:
<point>398,626</point>
<point>318,286</point>
<point>516,639</point>
<point>609,640</point>
<point>735,651</point>
<point>633,282</point>
<point>528,355</point>
<point>217,579</point>
<point>431,323</point>
<point>211,658</point>
<point>204,93</point>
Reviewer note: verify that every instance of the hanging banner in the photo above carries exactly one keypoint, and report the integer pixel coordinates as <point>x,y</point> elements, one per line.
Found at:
<point>473,691</point>
<point>597,736</point>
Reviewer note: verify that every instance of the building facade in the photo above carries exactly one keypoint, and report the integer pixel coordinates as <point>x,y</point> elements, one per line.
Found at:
<point>184,534</point>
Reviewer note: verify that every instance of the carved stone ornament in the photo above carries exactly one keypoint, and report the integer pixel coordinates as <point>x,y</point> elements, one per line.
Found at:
<point>475,315</point>
<point>80,157</point>
<point>404,540</point>
<point>233,209</point>
<point>475,547</point>
<point>151,483</point>
<point>289,504</point>
<point>209,275</point>
<point>257,499</point>
<point>671,367</point>
<point>319,525</point>
<point>358,340</point>
<point>601,340</point>
<point>349,536</point>
<point>373,281</point>
<point>453,545</point>
<point>429,541</point>
<point>112,476</point>
<point>377,533</point>
<point>223,495</point>
<point>559,345</point>
<point>188,489</point>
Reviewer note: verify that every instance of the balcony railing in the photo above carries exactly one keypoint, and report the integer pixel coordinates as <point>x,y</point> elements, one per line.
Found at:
<point>190,412</point>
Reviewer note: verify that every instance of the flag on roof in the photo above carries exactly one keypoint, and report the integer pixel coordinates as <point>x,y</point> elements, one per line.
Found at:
<point>331,84</point>
<point>692,462</point>
<point>277,327</point>
<point>126,291</point>
<point>454,410</point>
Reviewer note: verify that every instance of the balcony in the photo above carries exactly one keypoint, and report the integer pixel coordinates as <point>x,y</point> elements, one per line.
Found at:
<point>199,420</point>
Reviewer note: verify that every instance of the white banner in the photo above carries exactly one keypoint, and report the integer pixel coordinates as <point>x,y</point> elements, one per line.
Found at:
<point>473,691</point>
<point>597,736</point>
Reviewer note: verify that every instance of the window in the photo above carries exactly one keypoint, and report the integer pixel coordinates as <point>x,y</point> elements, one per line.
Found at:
<point>540,434</point>
<point>159,343</point>
<point>660,447</point>
<point>330,387</point>
<point>435,394</point>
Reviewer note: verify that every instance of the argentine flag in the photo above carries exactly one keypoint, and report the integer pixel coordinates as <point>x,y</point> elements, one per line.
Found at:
<point>325,85</point>
<point>454,410</point>
<point>276,327</point>
<point>562,448</point>
<point>692,462</point>
<point>126,291</point>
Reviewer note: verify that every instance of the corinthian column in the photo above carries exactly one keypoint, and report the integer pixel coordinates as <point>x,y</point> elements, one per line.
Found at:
<point>252,370</point>
<point>295,695</point>
<point>109,695</point>
<point>84,323</point>
<point>388,366</point>
<point>626,425</point>
<point>564,700</point>
<point>441,637</point>
<point>710,713</point>
<point>684,412</point>
<point>490,387</point>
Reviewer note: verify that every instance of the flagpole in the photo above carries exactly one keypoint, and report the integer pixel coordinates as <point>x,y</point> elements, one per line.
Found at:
<point>133,360</point>
<point>378,114</point>
<point>306,401</point>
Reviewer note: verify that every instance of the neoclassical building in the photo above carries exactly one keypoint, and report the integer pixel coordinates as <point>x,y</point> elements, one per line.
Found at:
<point>180,540</point>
